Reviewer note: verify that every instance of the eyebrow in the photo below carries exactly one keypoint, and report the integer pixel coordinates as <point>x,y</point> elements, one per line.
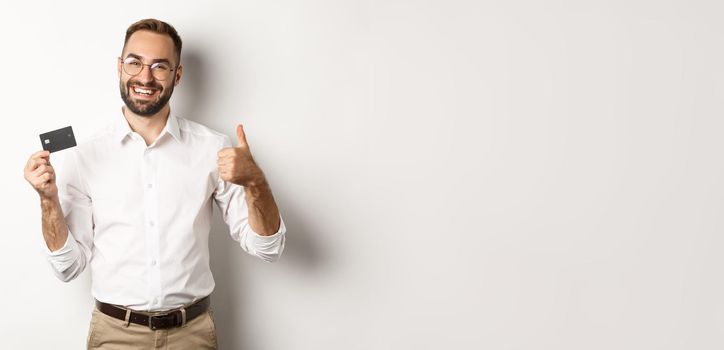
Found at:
<point>153,61</point>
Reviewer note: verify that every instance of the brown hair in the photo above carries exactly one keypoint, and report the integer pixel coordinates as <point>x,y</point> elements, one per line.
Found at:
<point>157,26</point>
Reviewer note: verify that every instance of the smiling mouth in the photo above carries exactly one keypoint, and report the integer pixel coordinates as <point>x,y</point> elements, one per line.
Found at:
<point>143,92</point>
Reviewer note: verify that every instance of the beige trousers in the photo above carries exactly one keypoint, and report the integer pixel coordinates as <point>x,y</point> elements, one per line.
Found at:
<point>108,333</point>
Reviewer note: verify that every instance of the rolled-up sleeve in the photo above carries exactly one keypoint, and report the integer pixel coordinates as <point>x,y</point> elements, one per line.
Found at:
<point>70,260</point>
<point>231,200</point>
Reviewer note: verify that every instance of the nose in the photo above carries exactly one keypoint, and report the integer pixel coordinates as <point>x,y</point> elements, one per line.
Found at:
<point>145,75</point>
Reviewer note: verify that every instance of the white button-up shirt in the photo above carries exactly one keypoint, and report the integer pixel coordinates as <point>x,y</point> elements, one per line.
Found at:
<point>140,215</point>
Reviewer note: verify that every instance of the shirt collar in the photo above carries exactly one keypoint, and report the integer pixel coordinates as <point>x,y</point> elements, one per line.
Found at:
<point>172,127</point>
<point>122,129</point>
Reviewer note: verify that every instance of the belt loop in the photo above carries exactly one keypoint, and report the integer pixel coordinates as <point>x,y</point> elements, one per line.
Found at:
<point>128,318</point>
<point>183,317</point>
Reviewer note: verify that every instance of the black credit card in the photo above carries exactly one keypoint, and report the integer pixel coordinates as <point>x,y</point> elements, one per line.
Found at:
<point>58,140</point>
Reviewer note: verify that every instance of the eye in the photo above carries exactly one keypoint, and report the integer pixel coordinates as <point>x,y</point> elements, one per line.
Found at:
<point>132,62</point>
<point>161,67</point>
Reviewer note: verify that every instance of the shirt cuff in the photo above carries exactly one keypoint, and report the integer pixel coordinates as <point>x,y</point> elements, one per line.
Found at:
<point>64,257</point>
<point>270,238</point>
<point>267,248</point>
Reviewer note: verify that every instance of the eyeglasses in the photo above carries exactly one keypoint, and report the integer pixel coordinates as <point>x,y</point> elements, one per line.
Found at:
<point>160,70</point>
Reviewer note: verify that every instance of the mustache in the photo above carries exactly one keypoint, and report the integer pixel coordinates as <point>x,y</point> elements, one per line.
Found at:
<point>148,85</point>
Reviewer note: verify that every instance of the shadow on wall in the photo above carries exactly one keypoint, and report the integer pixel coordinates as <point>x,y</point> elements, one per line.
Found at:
<point>301,254</point>
<point>192,98</point>
<point>229,261</point>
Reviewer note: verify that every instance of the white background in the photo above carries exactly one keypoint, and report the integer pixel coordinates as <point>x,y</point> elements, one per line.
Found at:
<point>454,175</point>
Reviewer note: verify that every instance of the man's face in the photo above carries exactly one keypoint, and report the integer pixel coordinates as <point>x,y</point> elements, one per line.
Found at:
<point>144,94</point>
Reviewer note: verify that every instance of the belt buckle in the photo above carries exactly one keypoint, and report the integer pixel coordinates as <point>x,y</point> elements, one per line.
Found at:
<point>150,320</point>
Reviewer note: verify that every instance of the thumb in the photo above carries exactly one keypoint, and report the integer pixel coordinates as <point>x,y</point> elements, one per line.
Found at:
<point>240,136</point>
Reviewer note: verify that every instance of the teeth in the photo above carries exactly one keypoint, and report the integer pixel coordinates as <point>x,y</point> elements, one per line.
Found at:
<point>142,91</point>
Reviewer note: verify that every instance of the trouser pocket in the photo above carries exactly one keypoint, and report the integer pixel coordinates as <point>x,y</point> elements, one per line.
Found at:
<point>91,340</point>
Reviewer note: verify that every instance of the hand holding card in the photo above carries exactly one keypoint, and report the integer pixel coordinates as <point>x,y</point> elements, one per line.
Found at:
<point>41,175</point>
<point>38,171</point>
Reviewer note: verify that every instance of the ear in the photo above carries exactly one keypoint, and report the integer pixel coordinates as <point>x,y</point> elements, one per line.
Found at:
<point>120,67</point>
<point>177,76</point>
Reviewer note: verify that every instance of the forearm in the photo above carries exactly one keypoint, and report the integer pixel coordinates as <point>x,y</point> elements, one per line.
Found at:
<point>263,212</point>
<point>55,230</point>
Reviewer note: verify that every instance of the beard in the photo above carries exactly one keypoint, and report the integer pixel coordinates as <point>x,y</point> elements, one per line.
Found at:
<point>145,108</point>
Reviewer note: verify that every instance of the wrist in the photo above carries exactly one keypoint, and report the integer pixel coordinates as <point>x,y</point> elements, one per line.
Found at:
<point>46,201</point>
<point>256,184</point>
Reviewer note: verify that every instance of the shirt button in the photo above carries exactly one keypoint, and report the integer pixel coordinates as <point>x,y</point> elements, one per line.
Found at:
<point>149,185</point>
<point>151,223</point>
<point>153,262</point>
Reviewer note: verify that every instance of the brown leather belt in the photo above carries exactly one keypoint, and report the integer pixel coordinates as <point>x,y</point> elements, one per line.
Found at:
<point>157,320</point>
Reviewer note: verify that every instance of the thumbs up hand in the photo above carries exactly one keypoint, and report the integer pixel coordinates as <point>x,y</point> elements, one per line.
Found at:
<point>236,164</point>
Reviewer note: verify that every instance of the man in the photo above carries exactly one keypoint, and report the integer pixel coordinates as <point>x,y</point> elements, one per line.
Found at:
<point>134,203</point>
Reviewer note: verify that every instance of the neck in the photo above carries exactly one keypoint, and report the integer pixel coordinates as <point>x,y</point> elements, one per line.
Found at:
<point>149,127</point>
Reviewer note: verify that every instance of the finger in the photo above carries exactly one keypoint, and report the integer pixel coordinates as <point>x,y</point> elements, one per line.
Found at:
<point>38,172</point>
<point>241,136</point>
<point>40,161</point>
<point>37,183</point>
<point>43,169</point>
<point>227,160</point>
<point>34,162</point>
<point>31,165</point>
<point>41,154</point>
<point>226,152</point>
<point>42,179</point>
